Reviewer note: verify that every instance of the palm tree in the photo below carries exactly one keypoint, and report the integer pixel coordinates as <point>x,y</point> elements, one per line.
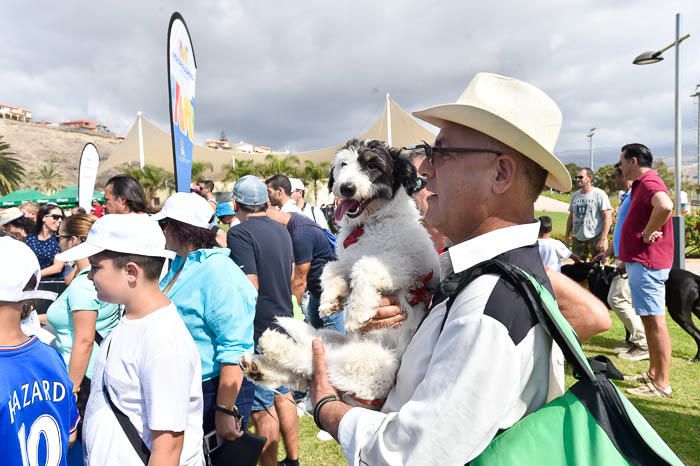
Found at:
<point>152,179</point>
<point>47,179</point>
<point>242,168</point>
<point>274,164</point>
<point>198,170</point>
<point>11,172</point>
<point>315,172</point>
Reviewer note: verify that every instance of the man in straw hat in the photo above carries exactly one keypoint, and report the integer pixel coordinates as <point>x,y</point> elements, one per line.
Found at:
<point>489,366</point>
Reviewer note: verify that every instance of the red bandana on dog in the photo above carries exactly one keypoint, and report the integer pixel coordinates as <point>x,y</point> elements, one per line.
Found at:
<point>353,237</point>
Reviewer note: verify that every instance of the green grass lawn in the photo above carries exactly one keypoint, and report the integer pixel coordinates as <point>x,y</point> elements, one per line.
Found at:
<point>677,419</point>
<point>558,221</point>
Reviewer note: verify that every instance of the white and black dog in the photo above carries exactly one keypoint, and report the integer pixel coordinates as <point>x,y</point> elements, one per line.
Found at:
<point>382,249</point>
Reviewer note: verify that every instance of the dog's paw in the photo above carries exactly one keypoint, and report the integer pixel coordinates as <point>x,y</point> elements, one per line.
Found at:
<point>250,368</point>
<point>330,307</point>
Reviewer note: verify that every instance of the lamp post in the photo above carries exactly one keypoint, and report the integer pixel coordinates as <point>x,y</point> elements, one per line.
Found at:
<point>648,58</point>
<point>590,135</point>
<point>697,94</point>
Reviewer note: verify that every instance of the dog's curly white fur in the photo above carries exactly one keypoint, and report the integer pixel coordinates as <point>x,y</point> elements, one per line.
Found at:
<point>391,257</point>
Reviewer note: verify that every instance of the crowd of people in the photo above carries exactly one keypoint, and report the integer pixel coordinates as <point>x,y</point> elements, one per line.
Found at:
<point>161,306</point>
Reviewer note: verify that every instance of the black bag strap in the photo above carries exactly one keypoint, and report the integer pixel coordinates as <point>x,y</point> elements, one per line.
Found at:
<point>127,426</point>
<point>548,316</point>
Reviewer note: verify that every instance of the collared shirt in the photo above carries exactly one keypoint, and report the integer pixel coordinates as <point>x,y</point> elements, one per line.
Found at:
<point>659,254</point>
<point>457,387</point>
<point>217,303</point>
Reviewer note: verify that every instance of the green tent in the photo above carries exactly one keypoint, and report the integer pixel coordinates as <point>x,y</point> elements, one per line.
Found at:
<point>22,196</point>
<point>69,196</point>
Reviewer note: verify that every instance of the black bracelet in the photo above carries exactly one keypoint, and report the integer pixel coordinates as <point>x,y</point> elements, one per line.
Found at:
<point>319,405</point>
<point>233,413</point>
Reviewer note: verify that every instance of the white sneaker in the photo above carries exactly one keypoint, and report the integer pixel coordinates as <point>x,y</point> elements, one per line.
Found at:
<point>323,436</point>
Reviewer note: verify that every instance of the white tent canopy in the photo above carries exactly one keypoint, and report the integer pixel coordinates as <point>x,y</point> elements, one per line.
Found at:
<point>395,126</point>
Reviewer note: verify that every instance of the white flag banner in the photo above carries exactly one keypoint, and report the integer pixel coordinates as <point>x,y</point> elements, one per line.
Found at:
<point>87,174</point>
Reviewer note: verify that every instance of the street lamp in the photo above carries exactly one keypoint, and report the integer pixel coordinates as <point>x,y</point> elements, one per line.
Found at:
<point>647,58</point>
<point>697,94</point>
<point>590,135</point>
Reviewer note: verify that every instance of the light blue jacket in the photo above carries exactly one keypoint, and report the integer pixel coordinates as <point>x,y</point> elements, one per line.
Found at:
<point>217,303</point>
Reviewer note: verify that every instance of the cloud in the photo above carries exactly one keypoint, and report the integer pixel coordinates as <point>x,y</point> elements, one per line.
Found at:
<point>309,74</point>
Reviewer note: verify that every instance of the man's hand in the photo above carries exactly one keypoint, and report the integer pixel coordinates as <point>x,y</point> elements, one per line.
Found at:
<point>566,241</point>
<point>388,315</point>
<point>652,237</point>
<point>621,268</point>
<point>227,426</point>
<point>601,246</point>
<point>320,386</point>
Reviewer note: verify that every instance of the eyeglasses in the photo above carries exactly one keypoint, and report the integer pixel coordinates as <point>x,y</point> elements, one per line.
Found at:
<point>54,216</point>
<point>430,150</point>
<point>579,177</point>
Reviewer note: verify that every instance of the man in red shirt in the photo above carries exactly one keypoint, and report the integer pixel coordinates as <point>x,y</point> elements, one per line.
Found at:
<point>646,247</point>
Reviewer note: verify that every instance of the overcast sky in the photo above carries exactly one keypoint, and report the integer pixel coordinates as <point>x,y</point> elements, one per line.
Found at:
<point>302,74</point>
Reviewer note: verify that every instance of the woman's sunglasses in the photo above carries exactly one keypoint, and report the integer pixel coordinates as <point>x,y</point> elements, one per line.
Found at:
<point>54,216</point>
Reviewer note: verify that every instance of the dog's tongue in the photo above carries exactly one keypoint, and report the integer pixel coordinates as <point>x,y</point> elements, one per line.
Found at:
<point>344,206</point>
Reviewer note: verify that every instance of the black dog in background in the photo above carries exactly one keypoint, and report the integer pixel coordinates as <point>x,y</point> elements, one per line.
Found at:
<point>682,292</point>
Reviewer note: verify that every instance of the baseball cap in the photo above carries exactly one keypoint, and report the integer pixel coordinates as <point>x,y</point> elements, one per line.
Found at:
<point>125,233</point>
<point>8,215</point>
<point>188,208</point>
<point>224,209</point>
<point>250,190</point>
<point>297,184</point>
<point>19,265</point>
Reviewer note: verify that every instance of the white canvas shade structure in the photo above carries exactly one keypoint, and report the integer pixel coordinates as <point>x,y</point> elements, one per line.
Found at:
<point>395,126</point>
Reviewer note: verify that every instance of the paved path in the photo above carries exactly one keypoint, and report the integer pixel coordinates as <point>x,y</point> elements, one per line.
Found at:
<point>692,265</point>
<point>547,204</point>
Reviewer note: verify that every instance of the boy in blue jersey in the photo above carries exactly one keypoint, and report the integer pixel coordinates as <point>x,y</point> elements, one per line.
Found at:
<point>38,412</point>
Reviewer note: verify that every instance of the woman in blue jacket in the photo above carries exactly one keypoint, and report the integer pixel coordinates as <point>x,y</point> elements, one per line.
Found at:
<point>217,303</point>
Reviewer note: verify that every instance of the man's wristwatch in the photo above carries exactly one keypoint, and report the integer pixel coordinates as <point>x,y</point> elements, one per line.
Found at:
<point>231,410</point>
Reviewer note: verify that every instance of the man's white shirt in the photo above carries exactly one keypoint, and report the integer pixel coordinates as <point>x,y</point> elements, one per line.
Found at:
<point>315,214</point>
<point>290,207</point>
<point>154,376</point>
<point>457,387</point>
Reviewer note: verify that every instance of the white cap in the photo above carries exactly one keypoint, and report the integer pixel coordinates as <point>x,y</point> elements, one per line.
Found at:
<point>19,264</point>
<point>188,208</point>
<point>9,215</point>
<point>297,184</point>
<point>126,233</point>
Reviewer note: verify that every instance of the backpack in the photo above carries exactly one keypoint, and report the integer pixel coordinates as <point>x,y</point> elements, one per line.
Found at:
<point>591,424</point>
<point>330,237</point>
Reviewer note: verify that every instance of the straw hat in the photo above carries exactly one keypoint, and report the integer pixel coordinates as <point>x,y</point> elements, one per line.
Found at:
<point>513,112</point>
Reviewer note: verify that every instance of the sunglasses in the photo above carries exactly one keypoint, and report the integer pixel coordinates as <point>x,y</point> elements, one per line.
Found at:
<point>431,150</point>
<point>54,216</point>
<point>579,177</point>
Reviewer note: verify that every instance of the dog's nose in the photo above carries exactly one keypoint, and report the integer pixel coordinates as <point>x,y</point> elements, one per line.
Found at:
<point>348,189</point>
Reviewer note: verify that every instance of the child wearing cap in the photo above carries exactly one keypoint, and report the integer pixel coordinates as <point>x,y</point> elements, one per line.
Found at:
<point>38,413</point>
<point>146,396</point>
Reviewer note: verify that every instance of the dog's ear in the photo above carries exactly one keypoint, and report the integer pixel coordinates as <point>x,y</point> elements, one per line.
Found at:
<point>404,172</point>
<point>331,179</point>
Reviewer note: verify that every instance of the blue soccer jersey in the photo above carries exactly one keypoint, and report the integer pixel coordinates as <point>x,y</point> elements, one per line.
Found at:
<point>37,407</point>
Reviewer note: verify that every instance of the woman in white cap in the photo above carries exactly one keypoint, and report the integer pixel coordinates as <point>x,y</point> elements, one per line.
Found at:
<point>80,319</point>
<point>217,303</point>
<point>35,389</point>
